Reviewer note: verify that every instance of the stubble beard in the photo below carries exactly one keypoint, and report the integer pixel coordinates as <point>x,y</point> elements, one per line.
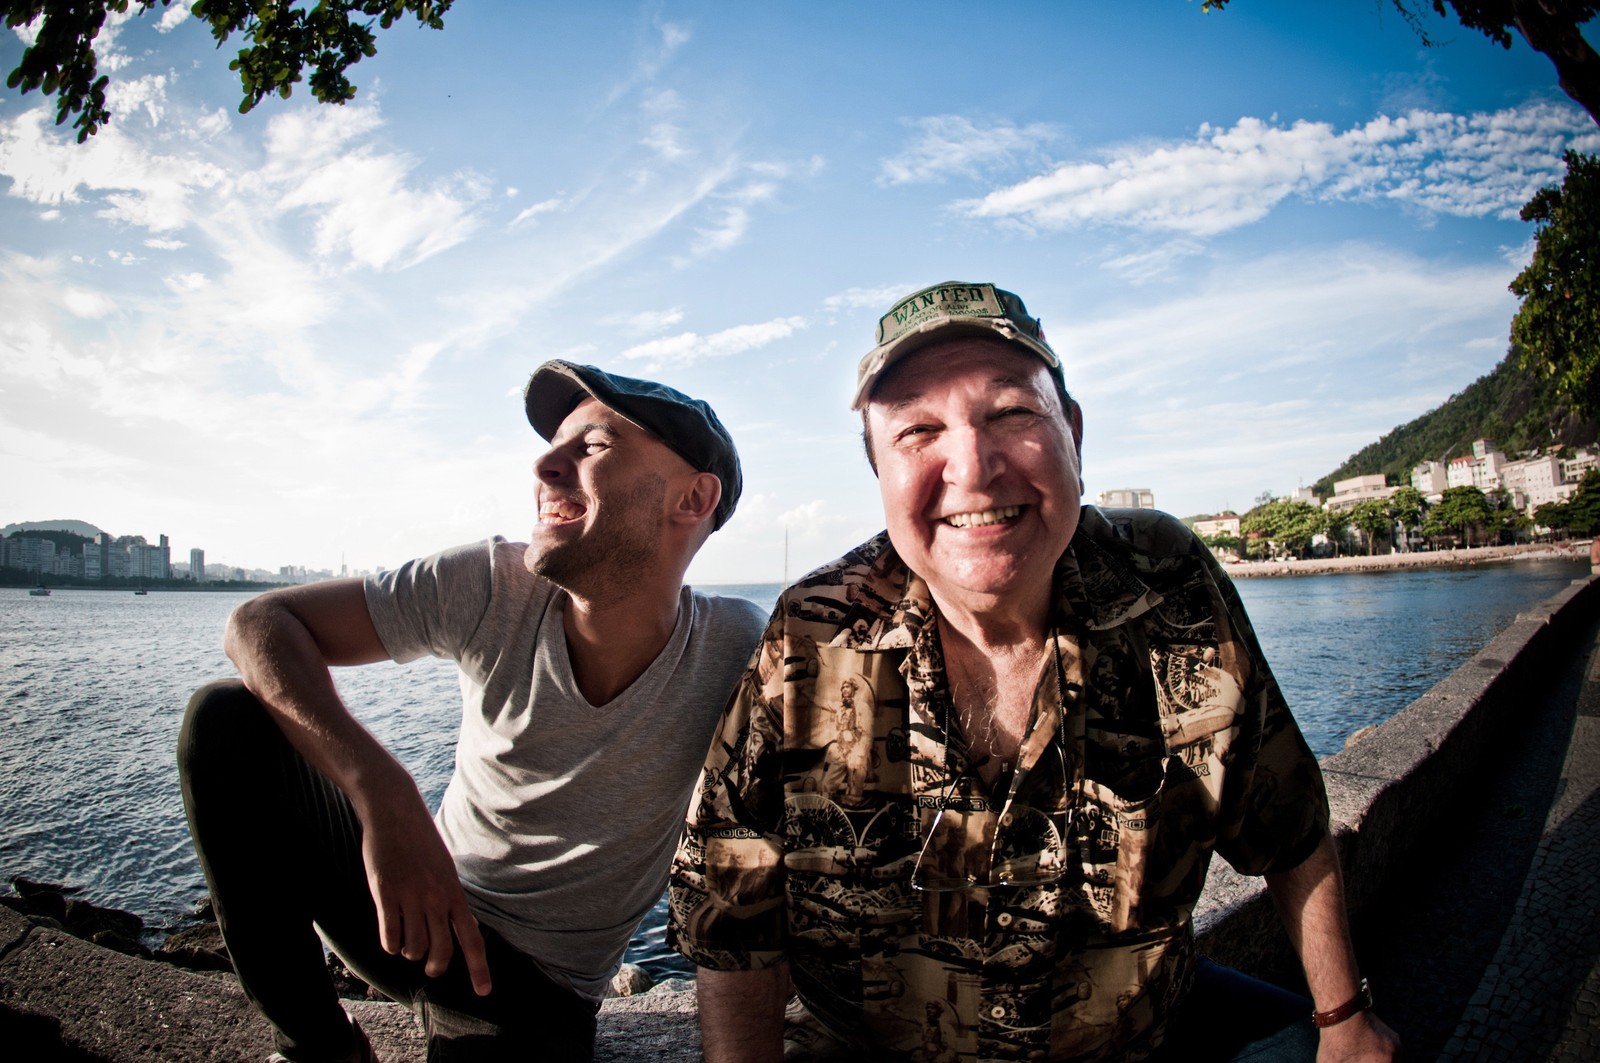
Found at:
<point>615,556</point>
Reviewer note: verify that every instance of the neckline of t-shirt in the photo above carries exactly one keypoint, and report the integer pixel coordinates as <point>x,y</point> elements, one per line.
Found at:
<point>664,665</point>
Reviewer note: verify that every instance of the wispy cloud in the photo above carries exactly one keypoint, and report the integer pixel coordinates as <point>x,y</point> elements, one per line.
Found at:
<point>865,298</point>
<point>688,348</point>
<point>670,38</point>
<point>954,145</point>
<point>1485,164</point>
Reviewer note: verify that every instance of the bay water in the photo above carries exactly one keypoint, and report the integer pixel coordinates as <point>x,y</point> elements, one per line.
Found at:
<point>93,685</point>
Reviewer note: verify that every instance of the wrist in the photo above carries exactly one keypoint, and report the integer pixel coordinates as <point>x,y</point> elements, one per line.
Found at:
<point>1357,1004</point>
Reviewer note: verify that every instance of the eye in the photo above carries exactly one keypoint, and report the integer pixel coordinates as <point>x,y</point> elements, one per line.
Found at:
<point>596,444</point>
<point>910,433</point>
<point>1013,412</point>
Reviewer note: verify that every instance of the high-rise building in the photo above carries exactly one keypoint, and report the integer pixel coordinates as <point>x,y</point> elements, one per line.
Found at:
<point>1128,498</point>
<point>197,565</point>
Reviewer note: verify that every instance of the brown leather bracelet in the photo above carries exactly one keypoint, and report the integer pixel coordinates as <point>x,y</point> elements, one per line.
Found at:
<point>1362,1001</point>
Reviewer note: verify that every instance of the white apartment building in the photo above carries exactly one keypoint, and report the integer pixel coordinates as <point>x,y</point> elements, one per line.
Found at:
<point>1227,524</point>
<point>1347,494</point>
<point>1127,498</point>
<point>1531,482</point>
<point>1482,470</point>
<point>1429,479</point>
<point>1306,495</point>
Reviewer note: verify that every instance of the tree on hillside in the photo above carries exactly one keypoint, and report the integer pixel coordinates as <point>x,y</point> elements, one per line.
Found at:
<point>284,39</point>
<point>1580,514</point>
<point>1372,518</point>
<point>1551,27</point>
<point>1290,525</point>
<point>1460,509</point>
<point>1558,324</point>
<point>1407,506</point>
<point>1336,525</point>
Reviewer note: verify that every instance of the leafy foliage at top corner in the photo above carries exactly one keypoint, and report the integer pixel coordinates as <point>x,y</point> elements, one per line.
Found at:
<point>284,39</point>
<point>1558,324</point>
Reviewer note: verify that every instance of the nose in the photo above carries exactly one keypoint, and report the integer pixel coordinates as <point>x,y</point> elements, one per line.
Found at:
<point>971,460</point>
<point>552,466</point>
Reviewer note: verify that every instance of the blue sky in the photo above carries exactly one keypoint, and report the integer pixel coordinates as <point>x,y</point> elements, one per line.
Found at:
<point>1259,239</point>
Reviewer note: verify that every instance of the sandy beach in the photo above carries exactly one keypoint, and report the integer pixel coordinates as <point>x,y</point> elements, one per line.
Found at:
<point>1478,555</point>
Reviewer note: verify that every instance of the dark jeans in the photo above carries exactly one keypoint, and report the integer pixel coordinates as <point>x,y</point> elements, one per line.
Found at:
<point>1229,1017</point>
<point>281,850</point>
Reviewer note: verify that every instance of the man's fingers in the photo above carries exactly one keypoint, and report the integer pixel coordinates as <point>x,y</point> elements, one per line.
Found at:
<point>471,941</point>
<point>439,945</point>
<point>390,925</point>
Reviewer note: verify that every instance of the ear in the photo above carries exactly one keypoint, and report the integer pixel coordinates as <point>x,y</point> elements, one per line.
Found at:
<point>698,500</point>
<point>1075,419</point>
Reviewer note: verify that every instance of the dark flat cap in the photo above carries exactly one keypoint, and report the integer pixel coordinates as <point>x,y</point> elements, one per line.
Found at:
<point>688,426</point>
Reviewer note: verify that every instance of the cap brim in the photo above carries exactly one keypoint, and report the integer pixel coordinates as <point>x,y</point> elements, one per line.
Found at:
<point>880,359</point>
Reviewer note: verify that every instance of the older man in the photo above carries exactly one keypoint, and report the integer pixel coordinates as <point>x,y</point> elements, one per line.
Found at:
<point>1069,713</point>
<point>591,678</point>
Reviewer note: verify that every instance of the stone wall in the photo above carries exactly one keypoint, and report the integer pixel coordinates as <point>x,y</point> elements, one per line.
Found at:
<point>1392,783</point>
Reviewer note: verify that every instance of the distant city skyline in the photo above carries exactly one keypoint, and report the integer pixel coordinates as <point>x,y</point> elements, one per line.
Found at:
<point>1260,240</point>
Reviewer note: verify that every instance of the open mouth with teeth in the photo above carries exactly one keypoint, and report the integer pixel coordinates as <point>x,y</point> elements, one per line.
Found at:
<point>1002,515</point>
<point>559,511</point>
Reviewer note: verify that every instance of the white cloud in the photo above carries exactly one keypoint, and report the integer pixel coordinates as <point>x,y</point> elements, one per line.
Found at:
<point>159,244</point>
<point>688,348</point>
<point>878,299</point>
<point>362,200</point>
<point>732,217</point>
<point>1485,164</point>
<point>85,304</point>
<point>951,144</point>
<point>527,214</point>
<point>646,321</point>
<point>1155,263</point>
<point>174,16</point>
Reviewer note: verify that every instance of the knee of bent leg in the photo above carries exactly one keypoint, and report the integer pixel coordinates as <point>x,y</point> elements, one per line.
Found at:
<point>221,717</point>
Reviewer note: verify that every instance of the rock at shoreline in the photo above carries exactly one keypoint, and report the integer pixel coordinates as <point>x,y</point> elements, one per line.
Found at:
<point>111,928</point>
<point>199,948</point>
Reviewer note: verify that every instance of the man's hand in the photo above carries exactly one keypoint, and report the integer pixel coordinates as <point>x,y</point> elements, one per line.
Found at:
<point>415,887</point>
<point>1360,1037</point>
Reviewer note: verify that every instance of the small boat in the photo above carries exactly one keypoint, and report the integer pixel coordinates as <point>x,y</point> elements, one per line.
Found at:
<point>141,590</point>
<point>41,591</point>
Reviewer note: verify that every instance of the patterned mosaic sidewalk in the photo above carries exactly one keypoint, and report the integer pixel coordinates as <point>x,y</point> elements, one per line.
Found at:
<point>1539,998</point>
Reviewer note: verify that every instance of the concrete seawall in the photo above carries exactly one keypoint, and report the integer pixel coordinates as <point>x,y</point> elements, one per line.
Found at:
<point>62,998</point>
<point>1394,782</point>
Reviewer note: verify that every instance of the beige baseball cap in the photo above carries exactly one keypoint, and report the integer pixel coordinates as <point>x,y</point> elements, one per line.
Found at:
<point>937,313</point>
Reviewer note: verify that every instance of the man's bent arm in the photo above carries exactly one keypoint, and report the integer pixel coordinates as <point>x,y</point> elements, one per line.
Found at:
<point>1310,900</point>
<point>282,643</point>
<point>741,1014</point>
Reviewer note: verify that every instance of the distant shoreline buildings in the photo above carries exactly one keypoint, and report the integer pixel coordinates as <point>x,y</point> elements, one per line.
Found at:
<point>104,557</point>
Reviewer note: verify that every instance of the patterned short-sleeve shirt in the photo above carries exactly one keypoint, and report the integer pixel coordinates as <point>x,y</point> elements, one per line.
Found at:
<point>928,917</point>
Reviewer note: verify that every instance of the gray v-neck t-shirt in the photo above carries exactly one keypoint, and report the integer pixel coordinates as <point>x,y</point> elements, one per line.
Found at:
<point>562,816</point>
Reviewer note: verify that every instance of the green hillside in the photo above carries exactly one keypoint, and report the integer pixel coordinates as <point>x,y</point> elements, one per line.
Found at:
<point>1509,406</point>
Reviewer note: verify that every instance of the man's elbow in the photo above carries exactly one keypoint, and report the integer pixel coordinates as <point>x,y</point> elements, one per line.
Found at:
<point>247,628</point>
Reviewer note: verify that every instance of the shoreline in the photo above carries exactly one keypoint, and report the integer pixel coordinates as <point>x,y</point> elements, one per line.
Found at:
<point>1462,558</point>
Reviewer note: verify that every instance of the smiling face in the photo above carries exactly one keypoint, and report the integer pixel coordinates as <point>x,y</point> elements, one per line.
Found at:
<point>603,486</point>
<point>978,468</point>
